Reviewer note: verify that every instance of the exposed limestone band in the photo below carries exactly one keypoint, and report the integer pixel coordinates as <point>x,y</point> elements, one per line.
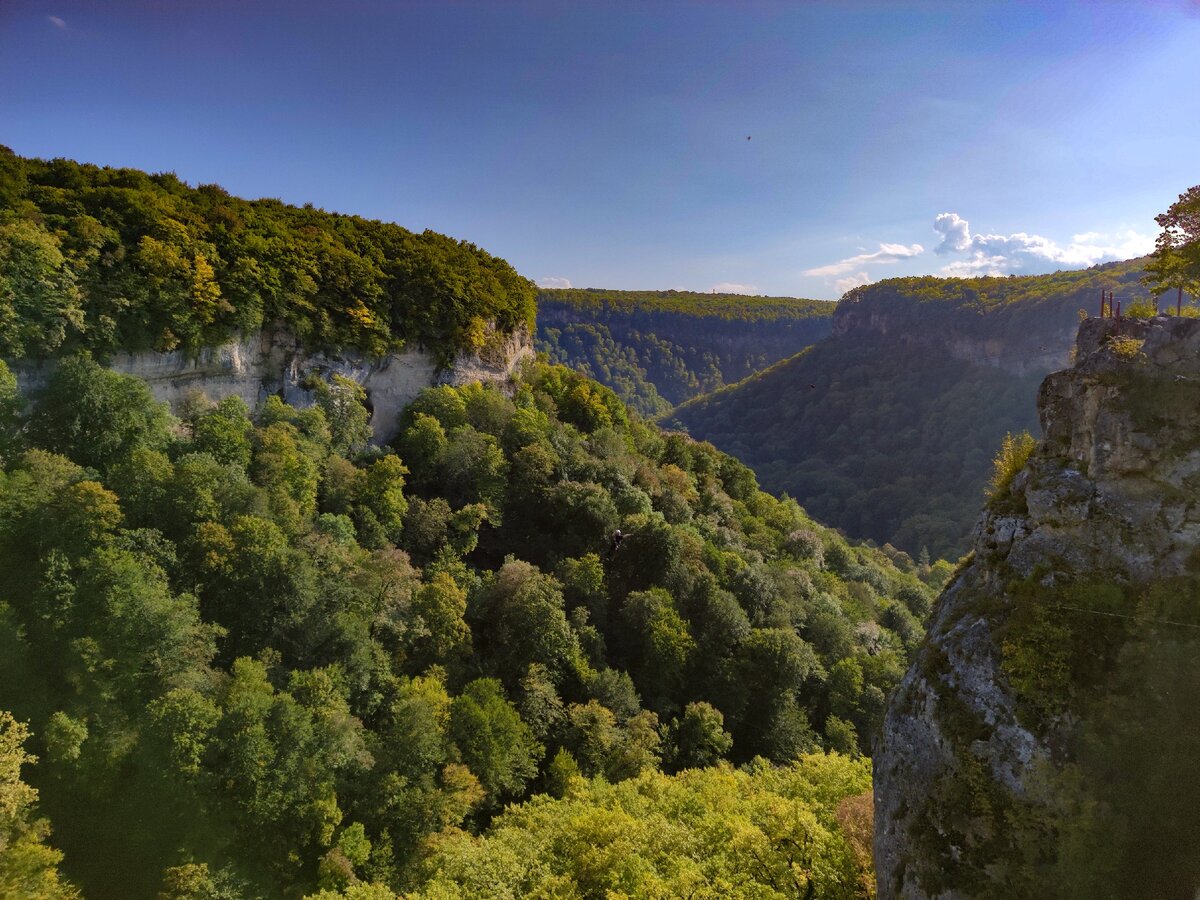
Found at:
<point>273,361</point>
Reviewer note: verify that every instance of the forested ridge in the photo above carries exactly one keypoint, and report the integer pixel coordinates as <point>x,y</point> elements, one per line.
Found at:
<point>660,348</point>
<point>256,656</point>
<point>111,259</point>
<point>886,428</point>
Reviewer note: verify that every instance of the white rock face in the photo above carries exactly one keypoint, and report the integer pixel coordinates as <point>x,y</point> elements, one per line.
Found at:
<point>272,361</point>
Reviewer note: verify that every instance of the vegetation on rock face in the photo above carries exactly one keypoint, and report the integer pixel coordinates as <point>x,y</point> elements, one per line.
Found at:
<point>259,657</point>
<point>884,431</point>
<point>117,259</point>
<point>657,349</point>
<point>1014,452</point>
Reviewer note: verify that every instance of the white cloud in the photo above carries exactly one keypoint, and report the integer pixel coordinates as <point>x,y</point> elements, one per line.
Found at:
<point>955,232</point>
<point>851,281</point>
<point>730,287</point>
<point>56,21</point>
<point>887,253</point>
<point>553,282</point>
<point>1003,254</point>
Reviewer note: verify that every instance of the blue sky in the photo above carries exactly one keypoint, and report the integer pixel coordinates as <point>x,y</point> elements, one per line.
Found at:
<point>605,144</point>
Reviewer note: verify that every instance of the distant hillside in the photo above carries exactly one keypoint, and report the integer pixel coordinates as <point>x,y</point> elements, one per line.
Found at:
<point>660,348</point>
<point>887,427</point>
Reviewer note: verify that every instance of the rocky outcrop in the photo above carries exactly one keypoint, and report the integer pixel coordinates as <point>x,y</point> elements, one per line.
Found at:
<point>273,361</point>
<point>985,742</point>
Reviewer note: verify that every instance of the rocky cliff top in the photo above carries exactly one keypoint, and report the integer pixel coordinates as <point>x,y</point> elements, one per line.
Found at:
<point>997,774</point>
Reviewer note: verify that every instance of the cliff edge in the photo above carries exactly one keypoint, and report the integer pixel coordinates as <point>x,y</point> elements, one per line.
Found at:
<point>273,361</point>
<point>1043,742</point>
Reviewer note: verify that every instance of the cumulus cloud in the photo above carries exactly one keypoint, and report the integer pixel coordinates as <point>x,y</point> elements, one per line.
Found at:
<point>955,232</point>
<point>553,282</point>
<point>731,287</point>
<point>1003,254</point>
<point>851,281</point>
<point>887,253</point>
<point>56,21</point>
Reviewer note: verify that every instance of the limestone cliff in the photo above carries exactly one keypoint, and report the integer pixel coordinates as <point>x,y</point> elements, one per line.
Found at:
<point>1038,345</point>
<point>273,361</point>
<point>1043,743</point>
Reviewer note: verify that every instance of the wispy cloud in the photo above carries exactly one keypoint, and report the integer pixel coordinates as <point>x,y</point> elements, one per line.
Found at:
<point>553,282</point>
<point>887,253</point>
<point>851,281</point>
<point>57,22</point>
<point>731,287</point>
<point>1004,254</point>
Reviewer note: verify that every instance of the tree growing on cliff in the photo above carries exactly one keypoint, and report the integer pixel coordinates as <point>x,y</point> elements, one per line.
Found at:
<point>1175,264</point>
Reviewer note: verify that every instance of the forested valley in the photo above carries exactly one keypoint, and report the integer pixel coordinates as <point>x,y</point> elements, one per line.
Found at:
<point>535,646</point>
<point>887,428</point>
<point>657,349</point>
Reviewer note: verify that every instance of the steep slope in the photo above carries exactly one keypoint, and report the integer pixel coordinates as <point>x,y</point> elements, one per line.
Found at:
<point>659,348</point>
<point>1043,743</point>
<point>886,428</point>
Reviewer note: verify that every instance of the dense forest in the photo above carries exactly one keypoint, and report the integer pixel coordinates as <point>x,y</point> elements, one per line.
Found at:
<point>117,259</point>
<point>256,656</point>
<point>659,348</point>
<point>886,429</point>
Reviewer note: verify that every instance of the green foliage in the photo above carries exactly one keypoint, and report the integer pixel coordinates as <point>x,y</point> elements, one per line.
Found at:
<point>95,416</point>
<point>732,307</point>
<point>266,661</point>
<point>40,301</point>
<point>495,743</point>
<point>28,865</point>
<point>1175,263</point>
<point>1059,640</point>
<point>655,349</point>
<point>766,833</point>
<point>11,409</point>
<point>115,259</point>
<point>1014,452</point>
<point>699,738</point>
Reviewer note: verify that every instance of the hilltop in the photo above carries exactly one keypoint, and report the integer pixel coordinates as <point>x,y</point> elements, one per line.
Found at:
<point>110,260</point>
<point>660,348</point>
<point>886,428</point>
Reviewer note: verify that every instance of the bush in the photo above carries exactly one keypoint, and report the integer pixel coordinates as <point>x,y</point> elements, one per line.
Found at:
<point>1015,451</point>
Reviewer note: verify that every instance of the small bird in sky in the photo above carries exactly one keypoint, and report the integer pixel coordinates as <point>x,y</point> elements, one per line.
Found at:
<point>747,137</point>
